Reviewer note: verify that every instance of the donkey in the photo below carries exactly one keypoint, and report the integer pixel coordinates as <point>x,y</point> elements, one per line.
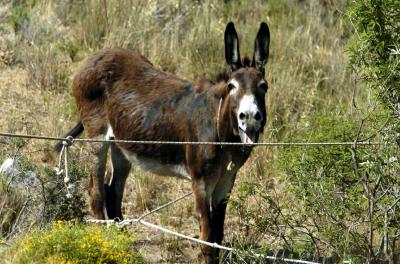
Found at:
<point>120,95</point>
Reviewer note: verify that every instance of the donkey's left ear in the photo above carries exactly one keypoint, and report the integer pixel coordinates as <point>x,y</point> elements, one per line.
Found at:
<point>261,48</point>
<point>232,53</point>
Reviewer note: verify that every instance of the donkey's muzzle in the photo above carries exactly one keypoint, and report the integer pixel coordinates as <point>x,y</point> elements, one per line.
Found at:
<point>248,136</point>
<point>249,127</point>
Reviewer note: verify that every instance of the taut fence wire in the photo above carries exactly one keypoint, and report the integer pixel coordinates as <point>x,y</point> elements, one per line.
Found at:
<point>67,142</point>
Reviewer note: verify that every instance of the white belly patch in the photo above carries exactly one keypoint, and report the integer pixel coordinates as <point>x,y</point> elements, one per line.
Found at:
<point>156,167</point>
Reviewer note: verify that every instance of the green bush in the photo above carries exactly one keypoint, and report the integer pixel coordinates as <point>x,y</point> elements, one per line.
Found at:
<point>375,51</point>
<point>375,59</point>
<point>338,202</point>
<point>62,200</point>
<point>67,242</point>
<point>327,190</point>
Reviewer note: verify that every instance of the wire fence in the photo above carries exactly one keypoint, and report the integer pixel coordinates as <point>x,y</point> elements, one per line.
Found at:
<point>63,158</point>
<point>70,140</point>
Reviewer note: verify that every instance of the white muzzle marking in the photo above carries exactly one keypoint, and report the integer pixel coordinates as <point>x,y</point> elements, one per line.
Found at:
<point>246,114</point>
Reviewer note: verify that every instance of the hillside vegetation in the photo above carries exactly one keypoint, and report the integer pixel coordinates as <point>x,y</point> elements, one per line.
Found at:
<point>333,76</point>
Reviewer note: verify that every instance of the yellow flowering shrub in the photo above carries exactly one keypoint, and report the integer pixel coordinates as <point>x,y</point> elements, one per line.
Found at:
<point>69,243</point>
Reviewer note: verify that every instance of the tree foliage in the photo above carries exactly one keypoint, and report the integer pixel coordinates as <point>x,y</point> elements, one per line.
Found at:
<point>375,51</point>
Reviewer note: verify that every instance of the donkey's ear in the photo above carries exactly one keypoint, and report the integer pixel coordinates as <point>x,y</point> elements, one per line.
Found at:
<point>261,48</point>
<point>232,54</point>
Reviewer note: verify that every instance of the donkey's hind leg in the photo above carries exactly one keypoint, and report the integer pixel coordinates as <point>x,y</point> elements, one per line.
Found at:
<point>97,159</point>
<point>115,191</point>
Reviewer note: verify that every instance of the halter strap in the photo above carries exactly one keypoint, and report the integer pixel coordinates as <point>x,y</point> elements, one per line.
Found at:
<point>218,114</point>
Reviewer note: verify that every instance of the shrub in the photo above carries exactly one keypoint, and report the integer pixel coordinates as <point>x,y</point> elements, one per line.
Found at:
<point>16,176</point>
<point>62,201</point>
<point>375,51</point>
<point>11,203</point>
<point>375,59</point>
<point>326,188</point>
<point>67,242</point>
<point>31,193</point>
<point>338,202</point>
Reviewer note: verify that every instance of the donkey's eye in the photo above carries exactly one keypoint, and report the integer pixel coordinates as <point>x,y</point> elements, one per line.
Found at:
<point>231,87</point>
<point>257,116</point>
<point>263,87</point>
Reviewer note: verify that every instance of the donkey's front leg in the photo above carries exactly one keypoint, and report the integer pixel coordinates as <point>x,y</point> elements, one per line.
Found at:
<point>203,204</point>
<point>220,199</point>
<point>220,202</point>
<point>218,218</point>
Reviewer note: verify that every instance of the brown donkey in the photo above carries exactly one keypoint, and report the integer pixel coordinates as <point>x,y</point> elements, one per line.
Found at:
<point>120,95</point>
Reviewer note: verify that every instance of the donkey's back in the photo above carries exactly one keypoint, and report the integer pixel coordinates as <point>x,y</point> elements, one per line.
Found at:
<point>97,75</point>
<point>121,88</point>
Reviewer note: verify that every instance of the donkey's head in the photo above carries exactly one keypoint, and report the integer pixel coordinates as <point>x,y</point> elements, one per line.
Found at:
<point>246,87</point>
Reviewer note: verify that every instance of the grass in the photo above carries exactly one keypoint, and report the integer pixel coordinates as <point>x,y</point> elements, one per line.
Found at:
<point>306,72</point>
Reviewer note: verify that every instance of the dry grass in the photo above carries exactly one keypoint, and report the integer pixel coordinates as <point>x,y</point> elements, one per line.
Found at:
<point>307,73</point>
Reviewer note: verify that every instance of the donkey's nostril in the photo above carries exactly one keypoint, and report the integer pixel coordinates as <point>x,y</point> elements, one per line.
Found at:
<point>257,116</point>
<point>242,116</point>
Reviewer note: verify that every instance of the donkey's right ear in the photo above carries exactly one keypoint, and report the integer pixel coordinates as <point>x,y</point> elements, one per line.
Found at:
<point>232,54</point>
<point>261,48</point>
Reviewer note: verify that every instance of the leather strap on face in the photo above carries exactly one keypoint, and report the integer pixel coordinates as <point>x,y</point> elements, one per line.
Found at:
<point>218,114</point>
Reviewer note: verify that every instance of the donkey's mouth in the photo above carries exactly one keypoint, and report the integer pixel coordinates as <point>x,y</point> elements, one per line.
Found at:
<point>246,137</point>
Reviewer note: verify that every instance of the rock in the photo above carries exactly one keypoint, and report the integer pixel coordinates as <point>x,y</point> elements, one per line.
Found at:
<point>9,167</point>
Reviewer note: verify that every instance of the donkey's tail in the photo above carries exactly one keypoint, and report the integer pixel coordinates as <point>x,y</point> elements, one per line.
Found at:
<point>78,129</point>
